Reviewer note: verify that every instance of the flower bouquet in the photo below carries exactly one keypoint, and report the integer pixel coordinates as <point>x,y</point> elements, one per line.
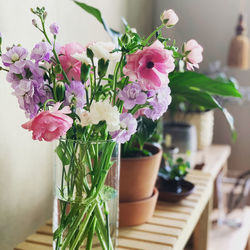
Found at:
<point>89,100</point>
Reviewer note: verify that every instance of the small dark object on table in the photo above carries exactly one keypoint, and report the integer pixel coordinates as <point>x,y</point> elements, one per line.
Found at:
<point>174,191</point>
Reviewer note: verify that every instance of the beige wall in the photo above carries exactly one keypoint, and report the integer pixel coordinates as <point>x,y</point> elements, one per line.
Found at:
<point>212,24</point>
<point>26,165</point>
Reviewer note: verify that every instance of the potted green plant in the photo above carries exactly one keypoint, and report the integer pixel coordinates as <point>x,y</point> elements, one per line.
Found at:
<point>171,179</point>
<point>197,106</point>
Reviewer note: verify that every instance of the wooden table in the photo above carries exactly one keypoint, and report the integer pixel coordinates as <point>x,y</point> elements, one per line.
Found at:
<point>170,227</point>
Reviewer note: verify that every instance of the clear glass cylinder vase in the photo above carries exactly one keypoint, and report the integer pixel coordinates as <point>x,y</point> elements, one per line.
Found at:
<point>86,195</point>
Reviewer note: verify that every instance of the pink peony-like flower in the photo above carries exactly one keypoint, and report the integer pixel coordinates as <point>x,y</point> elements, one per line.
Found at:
<point>169,18</point>
<point>51,124</point>
<point>71,66</point>
<point>194,54</point>
<point>150,66</point>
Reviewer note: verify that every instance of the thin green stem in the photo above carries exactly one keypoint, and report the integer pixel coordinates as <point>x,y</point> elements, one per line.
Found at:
<point>83,226</point>
<point>47,101</point>
<point>145,42</point>
<point>53,50</point>
<point>117,68</point>
<point>91,234</point>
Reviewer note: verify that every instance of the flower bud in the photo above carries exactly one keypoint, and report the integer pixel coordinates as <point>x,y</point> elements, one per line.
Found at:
<point>60,91</point>
<point>102,67</point>
<point>169,18</point>
<point>85,69</point>
<point>58,69</point>
<point>90,53</point>
<point>45,14</point>
<point>54,28</point>
<point>34,22</point>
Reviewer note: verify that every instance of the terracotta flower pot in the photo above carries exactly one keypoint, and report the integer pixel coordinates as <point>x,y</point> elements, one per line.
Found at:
<point>138,175</point>
<point>137,212</point>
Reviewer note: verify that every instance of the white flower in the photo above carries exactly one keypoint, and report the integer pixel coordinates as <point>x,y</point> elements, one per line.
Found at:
<point>134,30</point>
<point>82,58</point>
<point>103,50</point>
<point>104,111</point>
<point>84,116</point>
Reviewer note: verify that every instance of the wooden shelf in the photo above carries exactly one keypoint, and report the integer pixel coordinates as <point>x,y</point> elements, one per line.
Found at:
<point>214,157</point>
<point>170,227</point>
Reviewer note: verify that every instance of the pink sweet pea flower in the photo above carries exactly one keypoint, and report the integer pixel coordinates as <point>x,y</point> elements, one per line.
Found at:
<point>194,54</point>
<point>51,124</point>
<point>169,18</point>
<point>150,66</point>
<point>70,65</point>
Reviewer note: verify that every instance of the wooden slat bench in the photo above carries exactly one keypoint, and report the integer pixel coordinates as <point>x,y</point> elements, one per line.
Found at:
<point>170,227</point>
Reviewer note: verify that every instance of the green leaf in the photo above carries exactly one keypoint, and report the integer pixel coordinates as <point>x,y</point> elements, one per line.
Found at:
<point>194,80</point>
<point>97,14</point>
<point>62,154</point>
<point>145,130</point>
<point>193,97</point>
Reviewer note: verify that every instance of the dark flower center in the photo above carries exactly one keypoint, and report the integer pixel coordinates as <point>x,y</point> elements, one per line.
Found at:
<point>150,65</point>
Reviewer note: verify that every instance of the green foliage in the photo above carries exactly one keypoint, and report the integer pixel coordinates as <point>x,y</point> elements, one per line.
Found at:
<point>199,82</point>
<point>174,170</point>
<point>97,14</point>
<point>192,92</point>
<point>145,130</point>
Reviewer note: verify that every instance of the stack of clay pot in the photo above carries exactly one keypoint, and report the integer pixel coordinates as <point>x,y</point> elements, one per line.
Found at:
<point>138,195</point>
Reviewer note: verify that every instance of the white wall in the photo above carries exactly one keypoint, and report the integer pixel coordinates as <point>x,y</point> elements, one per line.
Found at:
<point>26,165</point>
<point>212,24</point>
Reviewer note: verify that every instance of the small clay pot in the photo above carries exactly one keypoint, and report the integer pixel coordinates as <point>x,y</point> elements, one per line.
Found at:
<point>138,175</point>
<point>137,212</point>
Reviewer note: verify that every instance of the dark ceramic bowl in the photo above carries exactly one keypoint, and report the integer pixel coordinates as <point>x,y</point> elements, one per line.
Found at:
<point>173,191</point>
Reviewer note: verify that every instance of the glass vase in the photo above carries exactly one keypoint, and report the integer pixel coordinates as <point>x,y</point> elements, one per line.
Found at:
<point>86,195</point>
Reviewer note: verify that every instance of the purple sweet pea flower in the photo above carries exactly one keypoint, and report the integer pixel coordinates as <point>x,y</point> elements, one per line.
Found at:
<point>54,28</point>
<point>75,94</point>
<point>128,126</point>
<point>131,95</point>
<point>42,52</point>
<point>14,55</point>
<point>159,103</point>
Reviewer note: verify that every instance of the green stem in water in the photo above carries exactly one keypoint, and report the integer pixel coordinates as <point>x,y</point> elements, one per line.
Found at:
<point>83,226</point>
<point>91,235</point>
